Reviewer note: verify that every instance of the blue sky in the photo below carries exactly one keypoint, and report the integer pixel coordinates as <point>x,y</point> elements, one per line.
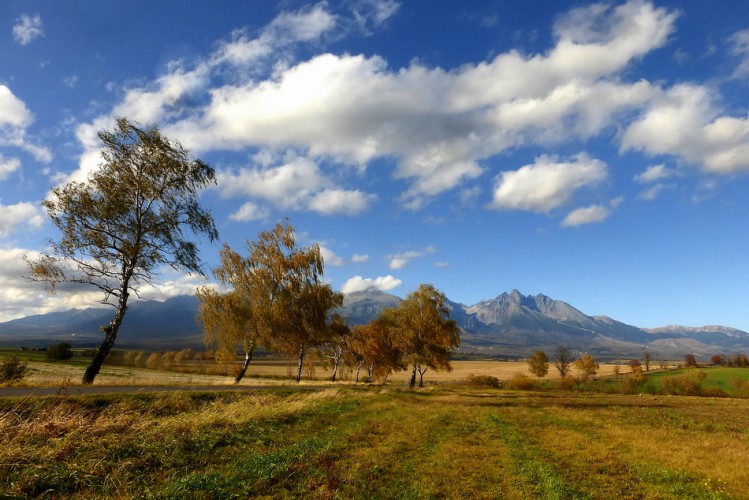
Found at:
<point>594,152</point>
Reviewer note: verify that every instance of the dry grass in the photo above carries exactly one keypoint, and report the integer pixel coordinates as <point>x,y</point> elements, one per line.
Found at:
<point>442,442</point>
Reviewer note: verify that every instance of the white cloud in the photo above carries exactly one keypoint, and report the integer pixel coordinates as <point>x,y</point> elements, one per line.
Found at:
<point>399,260</point>
<point>655,173</point>
<point>330,257</point>
<point>27,29</point>
<point>13,111</point>
<point>249,212</point>
<point>740,47</point>
<point>683,122</point>
<point>15,118</point>
<point>359,284</point>
<point>297,184</point>
<point>20,296</point>
<point>586,215</point>
<point>438,125</point>
<point>70,81</point>
<point>289,185</point>
<point>546,184</point>
<point>357,258</point>
<point>19,217</point>
<point>8,166</point>
<point>339,201</point>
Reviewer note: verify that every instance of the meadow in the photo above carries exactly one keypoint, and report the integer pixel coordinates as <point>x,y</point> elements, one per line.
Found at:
<point>446,441</point>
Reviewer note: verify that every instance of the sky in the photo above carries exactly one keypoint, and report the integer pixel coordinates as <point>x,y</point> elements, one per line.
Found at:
<point>597,153</point>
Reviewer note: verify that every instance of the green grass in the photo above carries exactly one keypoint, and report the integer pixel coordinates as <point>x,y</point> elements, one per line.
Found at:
<point>456,442</point>
<point>724,378</point>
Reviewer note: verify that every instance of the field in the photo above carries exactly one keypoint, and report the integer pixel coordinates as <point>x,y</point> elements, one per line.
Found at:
<point>378,442</point>
<point>263,370</point>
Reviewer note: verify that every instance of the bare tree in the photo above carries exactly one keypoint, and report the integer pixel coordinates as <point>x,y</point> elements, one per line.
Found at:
<point>127,221</point>
<point>647,357</point>
<point>562,360</point>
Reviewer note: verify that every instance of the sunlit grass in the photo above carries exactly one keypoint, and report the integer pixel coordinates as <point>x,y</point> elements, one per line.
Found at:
<point>441,442</point>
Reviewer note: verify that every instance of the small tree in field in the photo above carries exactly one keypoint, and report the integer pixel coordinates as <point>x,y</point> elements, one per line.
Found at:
<point>690,361</point>
<point>587,365</point>
<point>538,364</point>
<point>425,332</point>
<point>647,357</point>
<point>12,369</point>
<point>127,221</point>
<point>635,365</point>
<point>59,352</point>
<point>562,360</point>
<point>718,360</point>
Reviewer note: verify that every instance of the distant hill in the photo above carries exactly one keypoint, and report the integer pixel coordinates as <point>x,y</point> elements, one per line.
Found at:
<point>509,325</point>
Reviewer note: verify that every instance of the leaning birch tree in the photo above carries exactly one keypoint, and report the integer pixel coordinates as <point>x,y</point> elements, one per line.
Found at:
<point>128,220</point>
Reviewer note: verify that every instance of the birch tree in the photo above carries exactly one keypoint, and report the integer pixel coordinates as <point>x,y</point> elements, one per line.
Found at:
<point>127,221</point>
<point>427,335</point>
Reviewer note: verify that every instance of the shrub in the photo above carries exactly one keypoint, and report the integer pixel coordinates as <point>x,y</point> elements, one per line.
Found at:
<point>12,369</point>
<point>714,392</point>
<point>687,384</point>
<point>483,381</point>
<point>521,382</point>
<point>567,383</point>
<point>59,352</point>
<point>632,382</point>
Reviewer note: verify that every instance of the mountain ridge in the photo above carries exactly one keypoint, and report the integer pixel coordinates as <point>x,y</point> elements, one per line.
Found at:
<point>511,324</point>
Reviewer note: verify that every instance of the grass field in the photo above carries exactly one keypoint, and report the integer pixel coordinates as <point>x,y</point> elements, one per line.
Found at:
<point>733,381</point>
<point>440,442</point>
<point>262,371</point>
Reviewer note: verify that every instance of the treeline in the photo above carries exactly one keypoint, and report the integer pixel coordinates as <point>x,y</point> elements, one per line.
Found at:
<point>170,360</point>
<point>277,299</point>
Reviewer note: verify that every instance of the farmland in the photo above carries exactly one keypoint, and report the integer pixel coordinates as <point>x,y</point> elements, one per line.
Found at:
<point>451,439</point>
<point>444,441</point>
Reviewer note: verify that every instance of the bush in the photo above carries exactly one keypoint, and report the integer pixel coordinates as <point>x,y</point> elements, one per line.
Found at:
<point>483,381</point>
<point>566,383</point>
<point>632,382</point>
<point>687,384</point>
<point>12,369</point>
<point>59,352</point>
<point>521,382</point>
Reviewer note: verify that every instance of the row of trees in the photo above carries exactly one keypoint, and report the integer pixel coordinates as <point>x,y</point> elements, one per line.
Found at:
<point>276,299</point>
<point>563,361</point>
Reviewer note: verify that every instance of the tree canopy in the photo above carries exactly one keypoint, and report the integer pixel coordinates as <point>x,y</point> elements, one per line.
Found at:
<point>277,297</point>
<point>127,221</point>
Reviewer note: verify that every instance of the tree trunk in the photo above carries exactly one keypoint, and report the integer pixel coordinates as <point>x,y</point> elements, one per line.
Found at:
<point>421,376</point>
<point>247,358</point>
<point>412,383</point>
<point>370,373</point>
<point>335,369</point>
<point>111,334</point>
<point>299,367</point>
<point>358,368</point>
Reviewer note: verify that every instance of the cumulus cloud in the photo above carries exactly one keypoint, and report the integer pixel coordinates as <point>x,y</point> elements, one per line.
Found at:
<point>440,126</point>
<point>27,29</point>
<point>8,166</point>
<point>655,173</point>
<point>547,183</point>
<point>684,122</point>
<point>330,257</point>
<point>340,201</point>
<point>586,215</point>
<point>399,260</point>
<point>360,284</point>
<point>15,118</point>
<point>740,48</point>
<point>249,212</point>
<point>19,217</point>
<point>297,183</point>
<point>358,259</point>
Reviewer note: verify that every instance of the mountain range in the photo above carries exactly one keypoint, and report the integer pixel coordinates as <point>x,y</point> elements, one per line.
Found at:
<point>510,325</point>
